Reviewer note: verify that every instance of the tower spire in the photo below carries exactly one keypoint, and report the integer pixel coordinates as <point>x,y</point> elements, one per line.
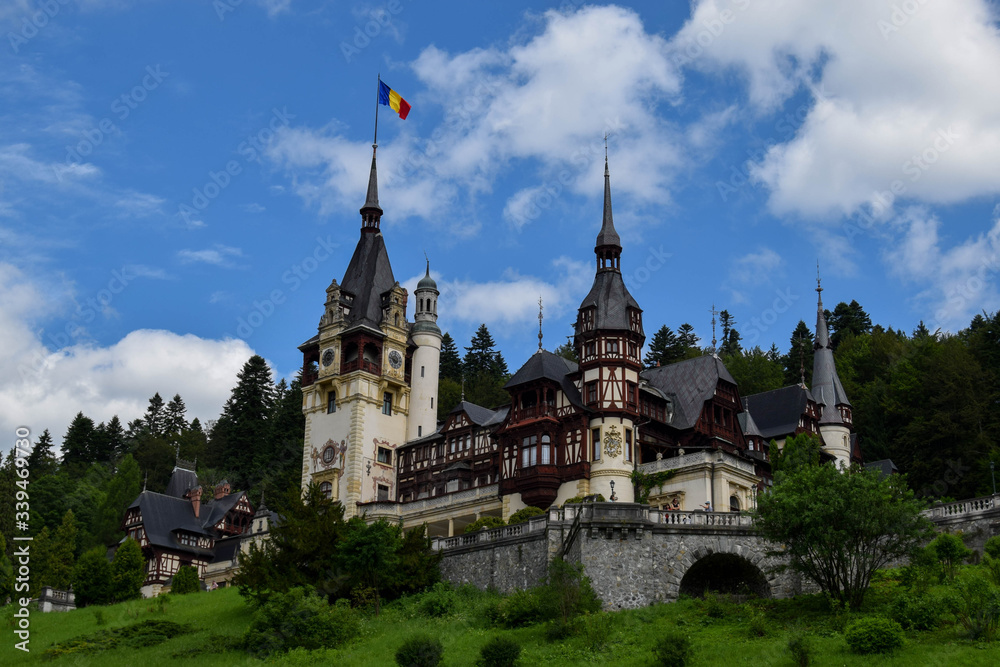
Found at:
<point>609,245</point>
<point>539,322</point>
<point>714,341</point>
<point>371,212</point>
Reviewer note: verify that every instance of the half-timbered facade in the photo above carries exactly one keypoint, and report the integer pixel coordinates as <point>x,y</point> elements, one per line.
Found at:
<point>179,527</point>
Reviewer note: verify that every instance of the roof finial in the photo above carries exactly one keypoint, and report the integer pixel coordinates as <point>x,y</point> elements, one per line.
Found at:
<point>714,313</point>
<point>605,152</point>
<point>144,481</point>
<point>539,322</point>
<point>819,284</point>
<point>463,387</point>
<point>802,362</point>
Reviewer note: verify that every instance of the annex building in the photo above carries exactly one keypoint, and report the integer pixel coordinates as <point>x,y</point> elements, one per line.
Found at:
<point>373,442</point>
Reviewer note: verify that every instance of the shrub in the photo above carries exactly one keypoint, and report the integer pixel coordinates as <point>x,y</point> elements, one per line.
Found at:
<point>992,567</point>
<point>299,619</point>
<point>923,571</point>
<point>975,601</point>
<point>499,652</point>
<point>439,601</point>
<point>523,515</point>
<point>517,610</point>
<point>596,631</point>
<point>485,523</point>
<point>576,500</point>
<point>137,635</point>
<point>757,625</point>
<point>916,612</point>
<point>673,649</point>
<point>558,630</point>
<point>992,547</point>
<point>420,651</point>
<point>874,634</point>
<point>950,551</point>
<point>186,581</point>
<point>714,606</point>
<point>99,617</point>
<point>92,578</point>
<point>127,571</point>
<point>801,648</point>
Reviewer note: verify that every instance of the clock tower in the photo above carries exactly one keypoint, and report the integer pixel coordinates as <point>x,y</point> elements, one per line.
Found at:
<point>357,373</point>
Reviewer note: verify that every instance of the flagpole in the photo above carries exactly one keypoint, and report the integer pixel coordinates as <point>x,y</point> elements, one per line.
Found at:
<point>378,91</point>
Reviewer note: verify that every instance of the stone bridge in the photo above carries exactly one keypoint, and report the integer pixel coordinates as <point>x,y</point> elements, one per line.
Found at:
<point>636,555</point>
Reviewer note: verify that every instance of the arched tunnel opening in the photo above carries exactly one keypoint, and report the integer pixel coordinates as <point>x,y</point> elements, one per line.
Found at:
<point>727,574</point>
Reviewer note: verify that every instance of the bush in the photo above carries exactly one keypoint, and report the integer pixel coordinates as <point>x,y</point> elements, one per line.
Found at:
<point>992,547</point>
<point>420,651</point>
<point>485,523</point>
<point>128,571</point>
<point>576,500</point>
<point>874,634</point>
<point>916,612</point>
<point>975,601</point>
<point>992,567</point>
<point>950,551</point>
<point>499,652</point>
<point>673,649</point>
<point>523,515</point>
<point>299,619</point>
<point>92,578</point>
<point>923,571</point>
<point>801,648</point>
<point>517,610</point>
<point>757,625</point>
<point>557,630</point>
<point>596,631</point>
<point>186,581</point>
<point>439,601</point>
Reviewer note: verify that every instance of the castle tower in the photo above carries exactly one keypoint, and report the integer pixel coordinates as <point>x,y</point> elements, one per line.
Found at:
<point>356,374</point>
<point>835,422</point>
<point>608,341</point>
<point>426,360</point>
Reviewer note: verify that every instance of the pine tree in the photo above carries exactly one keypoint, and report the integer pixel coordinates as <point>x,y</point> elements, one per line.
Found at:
<point>127,571</point>
<point>119,492</point>
<point>41,561</point>
<point>451,363</point>
<point>663,349</point>
<point>6,572</point>
<point>92,578</point>
<point>102,450</point>
<point>847,319</point>
<point>174,421</point>
<point>485,371</point>
<point>239,438</point>
<point>687,340</point>
<point>63,553</point>
<point>155,418</point>
<point>800,355</point>
<point>8,489</point>
<point>282,463</point>
<point>78,443</point>
<point>115,435</point>
<point>730,336</point>
<point>42,460</point>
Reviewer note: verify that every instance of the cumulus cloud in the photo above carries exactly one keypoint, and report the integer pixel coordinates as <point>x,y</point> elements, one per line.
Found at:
<point>548,99</point>
<point>898,96</point>
<point>957,281</point>
<point>752,270</point>
<point>41,388</point>
<point>219,255</point>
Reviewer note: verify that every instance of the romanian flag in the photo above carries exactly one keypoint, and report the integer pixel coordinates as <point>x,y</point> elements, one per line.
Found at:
<point>393,100</point>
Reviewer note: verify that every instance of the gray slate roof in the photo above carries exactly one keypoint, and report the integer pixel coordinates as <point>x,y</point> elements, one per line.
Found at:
<point>608,235</point>
<point>885,466</point>
<point>546,365</point>
<point>776,413</point>
<point>826,386</point>
<point>476,413</point>
<point>162,515</point>
<point>368,277</point>
<point>612,299</point>
<point>688,384</point>
<point>181,479</point>
<point>748,425</point>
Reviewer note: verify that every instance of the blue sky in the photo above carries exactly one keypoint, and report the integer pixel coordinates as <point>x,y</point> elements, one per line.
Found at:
<point>179,182</point>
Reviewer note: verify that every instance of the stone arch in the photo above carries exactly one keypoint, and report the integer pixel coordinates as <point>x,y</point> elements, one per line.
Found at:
<point>708,559</point>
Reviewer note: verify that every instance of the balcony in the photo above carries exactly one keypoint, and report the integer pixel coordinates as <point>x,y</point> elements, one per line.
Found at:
<point>372,367</point>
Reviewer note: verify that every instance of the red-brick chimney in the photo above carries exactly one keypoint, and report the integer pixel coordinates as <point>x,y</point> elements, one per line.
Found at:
<point>195,496</point>
<point>221,490</point>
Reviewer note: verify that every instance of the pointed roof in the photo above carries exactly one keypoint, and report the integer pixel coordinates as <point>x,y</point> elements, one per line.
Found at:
<point>181,479</point>
<point>546,365</point>
<point>367,279</point>
<point>827,388</point>
<point>371,199</point>
<point>427,282</point>
<point>608,236</point>
<point>776,413</point>
<point>688,384</point>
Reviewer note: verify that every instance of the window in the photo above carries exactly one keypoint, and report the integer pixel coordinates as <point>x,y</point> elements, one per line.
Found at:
<point>734,504</point>
<point>432,402</point>
<point>383,492</point>
<point>331,402</point>
<point>590,349</point>
<point>595,436</point>
<point>628,444</point>
<point>630,392</point>
<point>612,347</point>
<point>529,451</point>
<point>387,403</point>
<point>468,441</point>
<point>545,451</point>
<point>421,371</point>
<point>591,392</point>
<point>420,431</point>
<point>384,455</point>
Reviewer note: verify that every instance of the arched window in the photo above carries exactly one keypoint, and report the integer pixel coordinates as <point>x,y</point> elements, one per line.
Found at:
<point>734,504</point>
<point>326,488</point>
<point>545,451</point>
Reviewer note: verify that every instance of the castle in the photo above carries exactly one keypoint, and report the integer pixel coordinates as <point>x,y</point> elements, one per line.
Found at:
<point>373,442</point>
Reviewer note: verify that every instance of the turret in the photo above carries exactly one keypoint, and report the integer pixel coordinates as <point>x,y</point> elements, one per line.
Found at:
<point>835,422</point>
<point>426,360</point>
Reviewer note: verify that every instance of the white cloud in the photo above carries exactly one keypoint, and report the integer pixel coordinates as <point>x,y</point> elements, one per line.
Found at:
<point>958,281</point>
<point>751,271</point>
<point>42,389</point>
<point>253,207</point>
<point>549,99</point>
<point>220,255</point>
<point>907,104</point>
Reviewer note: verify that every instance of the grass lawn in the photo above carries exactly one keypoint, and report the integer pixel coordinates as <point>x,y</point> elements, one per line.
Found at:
<point>720,633</point>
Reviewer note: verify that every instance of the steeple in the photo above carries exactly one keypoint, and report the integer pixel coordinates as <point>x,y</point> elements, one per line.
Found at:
<point>609,246</point>
<point>371,213</point>
<point>827,388</point>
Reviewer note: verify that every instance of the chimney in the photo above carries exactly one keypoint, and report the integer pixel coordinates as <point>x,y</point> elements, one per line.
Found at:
<point>195,496</point>
<point>221,489</point>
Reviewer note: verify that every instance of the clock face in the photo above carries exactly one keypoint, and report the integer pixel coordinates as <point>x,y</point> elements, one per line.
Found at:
<point>395,359</point>
<point>328,357</point>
